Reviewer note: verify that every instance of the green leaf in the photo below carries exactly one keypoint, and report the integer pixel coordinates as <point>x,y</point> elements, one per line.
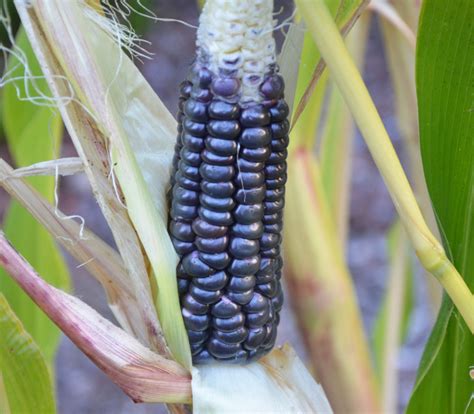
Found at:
<point>445,88</point>
<point>33,134</point>
<point>24,376</point>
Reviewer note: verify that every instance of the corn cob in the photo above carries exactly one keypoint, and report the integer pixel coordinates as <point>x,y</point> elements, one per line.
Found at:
<point>227,185</point>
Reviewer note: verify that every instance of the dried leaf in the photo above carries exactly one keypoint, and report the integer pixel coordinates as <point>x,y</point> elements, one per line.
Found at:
<point>41,17</point>
<point>142,374</point>
<point>60,167</point>
<point>98,257</point>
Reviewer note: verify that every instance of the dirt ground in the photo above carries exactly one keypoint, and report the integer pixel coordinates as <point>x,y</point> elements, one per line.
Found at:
<point>82,388</point>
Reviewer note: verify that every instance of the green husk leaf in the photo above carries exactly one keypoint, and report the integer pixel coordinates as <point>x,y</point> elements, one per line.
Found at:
<point>33,134</point>
<point>445,87</point>
<point>24,376</point>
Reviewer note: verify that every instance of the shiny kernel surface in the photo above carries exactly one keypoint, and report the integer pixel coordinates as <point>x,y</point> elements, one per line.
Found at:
<point>226,201</point>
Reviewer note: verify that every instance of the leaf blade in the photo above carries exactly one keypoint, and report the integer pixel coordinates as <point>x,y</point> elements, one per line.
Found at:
<point>23,369</point>
<point>445,86</point>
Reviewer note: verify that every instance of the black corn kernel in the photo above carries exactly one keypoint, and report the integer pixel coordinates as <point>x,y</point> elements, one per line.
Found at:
<point>182,247</point>
<point>204,229</point>
<point>213,158</point>
<point>255,154</point>
<point>194,266</point>
<point>242,298</point>
<point>204,296</point>
<point>225,308</point>
<point>182,231</point>
<point>223,110</point>
<point>280,111</point>
<point>236,336</point>
<point>194,128</point>
<point>212,245</point>
<point>221,349</point>
<point>224,129</point>
<point>195,111</point>
<point>250,231</point>
<point>255,116</point>
<point>255,138</point>
<point>226,212</point>
<point>225,86</point>
<point>217,218</point>
<point>218,204</point>
<point>222,147</point>
<point>241,248</point>
<point>217,281</point>
<point>193,306</point>
<point>229,324</point>
<point>217,261</point>
<point>220,189</point>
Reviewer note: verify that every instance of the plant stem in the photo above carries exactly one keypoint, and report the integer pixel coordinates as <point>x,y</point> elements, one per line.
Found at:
<point>352,87</point>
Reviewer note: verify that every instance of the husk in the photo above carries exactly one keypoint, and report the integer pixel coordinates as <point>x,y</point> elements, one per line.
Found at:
<point>291,53</point>
<point>117,111</point>
<point>278,383</point>
<point>102,262</point>
<point>61,166</point>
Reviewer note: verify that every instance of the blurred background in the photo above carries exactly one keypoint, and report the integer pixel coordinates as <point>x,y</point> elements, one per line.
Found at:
<point>83,388</point>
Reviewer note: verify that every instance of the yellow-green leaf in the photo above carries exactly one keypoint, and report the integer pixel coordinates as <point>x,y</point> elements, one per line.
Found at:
<point>24,376</point>
<point>33,134</point>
